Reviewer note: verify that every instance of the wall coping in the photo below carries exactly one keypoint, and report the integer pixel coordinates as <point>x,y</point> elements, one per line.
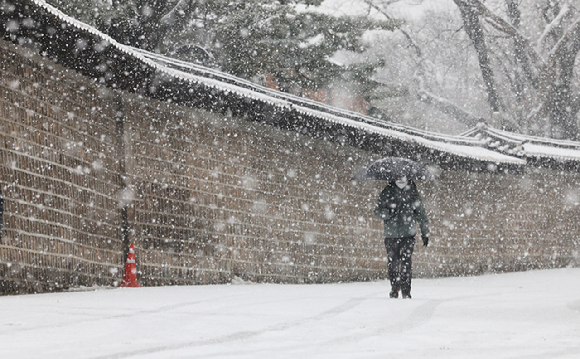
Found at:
<point>172,80</point>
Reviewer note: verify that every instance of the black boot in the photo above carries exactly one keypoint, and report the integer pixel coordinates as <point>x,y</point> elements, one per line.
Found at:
<point>406,295</point>
<point>394,293</point>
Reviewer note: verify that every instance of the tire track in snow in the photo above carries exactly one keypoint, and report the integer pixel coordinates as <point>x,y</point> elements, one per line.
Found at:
<point>242,335</point>
<point>76,321</point>
<point>418,317</point>
<point>568,353</point>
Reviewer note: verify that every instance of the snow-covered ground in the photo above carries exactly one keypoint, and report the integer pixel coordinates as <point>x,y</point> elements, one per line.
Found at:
<point>517,315</point>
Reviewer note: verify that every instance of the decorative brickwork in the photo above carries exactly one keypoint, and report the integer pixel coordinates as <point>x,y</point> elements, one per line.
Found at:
<point>208,196</point>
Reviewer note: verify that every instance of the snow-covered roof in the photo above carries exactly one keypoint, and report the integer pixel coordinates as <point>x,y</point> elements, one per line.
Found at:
<point>524,146</point>
<point>536,150</point>
<point>482,144</point>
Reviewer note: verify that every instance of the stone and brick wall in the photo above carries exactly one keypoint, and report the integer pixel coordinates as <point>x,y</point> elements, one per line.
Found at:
<point>59,176</point>
<point>496,223</point>
<point>216,196</point>
<point>207,197</point>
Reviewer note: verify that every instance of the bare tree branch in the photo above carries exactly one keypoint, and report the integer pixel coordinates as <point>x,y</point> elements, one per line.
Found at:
<point>448,108</point>
<point>570,38</point>
<point>406,34</point>
<point>445,106</point>
<point>178,11</point>
<point>507,28</point>
<point>551,26</point>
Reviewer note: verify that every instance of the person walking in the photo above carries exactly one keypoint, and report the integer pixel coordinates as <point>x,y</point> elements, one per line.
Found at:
<point>401,208</point>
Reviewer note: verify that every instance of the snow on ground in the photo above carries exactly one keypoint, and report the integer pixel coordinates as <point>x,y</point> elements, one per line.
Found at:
<point>517,315</point>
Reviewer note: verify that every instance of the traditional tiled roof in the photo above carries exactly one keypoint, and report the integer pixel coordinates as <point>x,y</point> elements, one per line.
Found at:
<point>532,148</point>
<point>189,84</point>
<point>460,146</point>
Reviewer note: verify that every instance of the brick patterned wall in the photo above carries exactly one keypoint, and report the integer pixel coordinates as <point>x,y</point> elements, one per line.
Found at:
<point>209,197</point>
<point>496,223</point>
<point>218,196</point>
<point>59,177</point>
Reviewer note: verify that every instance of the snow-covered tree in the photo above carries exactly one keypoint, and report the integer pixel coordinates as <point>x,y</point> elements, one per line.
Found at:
<point>526,53</point>
<point>284,39</point>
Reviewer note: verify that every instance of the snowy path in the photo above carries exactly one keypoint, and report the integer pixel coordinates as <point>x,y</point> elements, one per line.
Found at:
<point>517,315</point>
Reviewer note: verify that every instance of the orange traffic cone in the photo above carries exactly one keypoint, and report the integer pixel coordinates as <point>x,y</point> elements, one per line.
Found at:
<point>130,277</point>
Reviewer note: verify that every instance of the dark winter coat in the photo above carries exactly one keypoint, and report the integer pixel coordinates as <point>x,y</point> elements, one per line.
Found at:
<point>401,210</point>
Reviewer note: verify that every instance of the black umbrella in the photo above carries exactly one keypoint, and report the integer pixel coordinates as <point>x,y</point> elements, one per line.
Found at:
<point>392,169</point>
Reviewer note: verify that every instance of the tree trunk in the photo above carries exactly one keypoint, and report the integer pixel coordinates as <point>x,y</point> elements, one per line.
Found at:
<point>519,50</point>
<point>474,30</point>
<point>564,104</point>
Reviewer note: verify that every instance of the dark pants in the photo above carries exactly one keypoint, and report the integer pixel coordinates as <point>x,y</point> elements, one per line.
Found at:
<point>399,251</point>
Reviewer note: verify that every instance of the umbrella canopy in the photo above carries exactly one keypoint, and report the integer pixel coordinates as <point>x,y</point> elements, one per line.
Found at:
<point>392,169</point>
